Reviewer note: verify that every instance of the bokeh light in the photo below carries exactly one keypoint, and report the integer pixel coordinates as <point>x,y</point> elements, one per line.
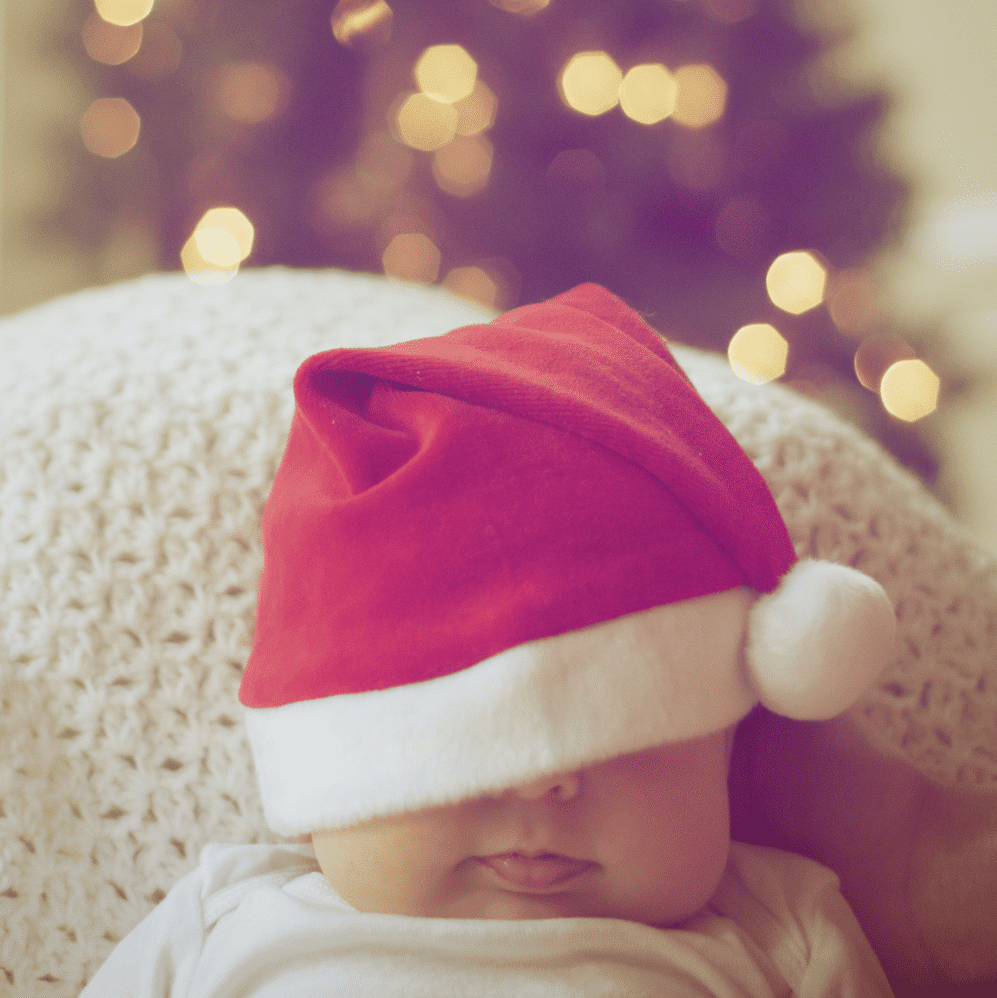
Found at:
<point>702,96</point>
<point>221,240</point>
<point>252,92</point>
<point>795,282</point>
<point>525,8</point>
<point>446,72</point>
<point>876,354</point>
<point>235,223</point>
<point>475,284</point>
<point>462,167</point>
<point>493,283</point>
<point>648,93</point>
<point>160,53</point>
<point>110,44</point>
<point>425,123</point>
<point>362,23</point>
<point>758,353</point>
<point>476,111</point>
<point>413,257</point>
<point>590,83</point>
<point>218,247</point>
<point>110,127</point>
<point>123,12</point>
<point>909,390</point>
<point>853,301</point>
<point>203,271</point>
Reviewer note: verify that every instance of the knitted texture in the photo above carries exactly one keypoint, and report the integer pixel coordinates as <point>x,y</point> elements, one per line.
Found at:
<point>140,429</point>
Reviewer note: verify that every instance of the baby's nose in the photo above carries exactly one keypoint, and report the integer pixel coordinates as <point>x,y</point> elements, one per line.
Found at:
<point>561,786</point>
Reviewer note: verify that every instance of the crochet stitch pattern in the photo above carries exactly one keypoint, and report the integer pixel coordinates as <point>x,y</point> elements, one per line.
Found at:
<point>141,428</point>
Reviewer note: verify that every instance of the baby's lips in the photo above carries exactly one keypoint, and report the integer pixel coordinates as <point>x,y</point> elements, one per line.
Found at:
<point>536,873</point>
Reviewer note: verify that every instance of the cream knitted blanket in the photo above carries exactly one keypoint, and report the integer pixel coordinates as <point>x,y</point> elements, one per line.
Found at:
<point>140,427</point>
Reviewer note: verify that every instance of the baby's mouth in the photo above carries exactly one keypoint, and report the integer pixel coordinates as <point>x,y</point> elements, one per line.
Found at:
<point>539,872</point>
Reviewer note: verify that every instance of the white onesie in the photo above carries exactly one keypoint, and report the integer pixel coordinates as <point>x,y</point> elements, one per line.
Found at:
<point>261,921</point>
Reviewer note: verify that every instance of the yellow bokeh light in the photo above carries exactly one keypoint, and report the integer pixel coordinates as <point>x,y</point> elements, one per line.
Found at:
<point>702,96</point>
<point>876,354</point>
<point>474,284</point>
<point>909,390</point>
<point>446,72</point>
<point>123,12</point>
<point>525,8</point>
<point>648,94</point>
<point>218,247</point>
<point>235,223</point>
<point>221,240</point>
<point>795,282</point>
<point>492,283</point>
<point>476,111</point>
<point>200,270</point>
<point>425,123</point>
<point>252,92</point>
<point>463,166</point>
<point>110,44</point>
<point>590,83</point>
<point>362,23</point>
<point>411,256</point>
<point>758,353</point>
<point>110,127</point>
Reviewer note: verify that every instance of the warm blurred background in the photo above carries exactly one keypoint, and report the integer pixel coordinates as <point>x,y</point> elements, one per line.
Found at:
<point>809,186</point>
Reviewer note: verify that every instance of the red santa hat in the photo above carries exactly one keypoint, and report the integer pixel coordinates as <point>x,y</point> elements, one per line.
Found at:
<point>486,557</point>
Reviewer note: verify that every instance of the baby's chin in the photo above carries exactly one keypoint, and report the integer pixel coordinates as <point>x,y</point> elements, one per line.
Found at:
<point>512,906</point>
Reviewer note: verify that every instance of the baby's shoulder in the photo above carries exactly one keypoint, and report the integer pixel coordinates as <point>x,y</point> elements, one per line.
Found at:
<point>784,902</point>
<point>223,866</point>
<point>766,872</point>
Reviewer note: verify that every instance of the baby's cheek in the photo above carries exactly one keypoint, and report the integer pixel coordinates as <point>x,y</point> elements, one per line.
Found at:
<point>698,877</point>
<point>668,873</point>
<point>388,884</point>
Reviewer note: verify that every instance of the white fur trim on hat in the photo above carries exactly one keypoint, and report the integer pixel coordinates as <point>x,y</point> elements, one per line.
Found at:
<point>669,673</point>
<point>818,641</point>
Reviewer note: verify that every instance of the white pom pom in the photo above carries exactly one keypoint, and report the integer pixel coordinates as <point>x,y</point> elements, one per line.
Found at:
<point>818,641</point>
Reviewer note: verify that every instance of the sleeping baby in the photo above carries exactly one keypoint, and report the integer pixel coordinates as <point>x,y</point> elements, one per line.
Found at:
<point>520,587</point>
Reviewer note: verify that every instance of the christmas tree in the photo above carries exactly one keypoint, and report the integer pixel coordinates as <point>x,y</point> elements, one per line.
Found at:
<point>697,157</point>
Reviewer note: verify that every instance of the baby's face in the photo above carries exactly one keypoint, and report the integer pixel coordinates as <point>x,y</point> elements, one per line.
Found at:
<point>642,837</point>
